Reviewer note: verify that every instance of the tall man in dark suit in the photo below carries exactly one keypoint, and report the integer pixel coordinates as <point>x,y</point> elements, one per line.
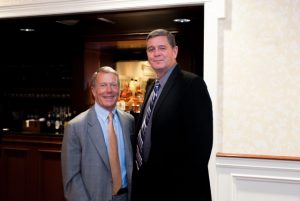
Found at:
<point>93,168</point>
<point>175,130</point>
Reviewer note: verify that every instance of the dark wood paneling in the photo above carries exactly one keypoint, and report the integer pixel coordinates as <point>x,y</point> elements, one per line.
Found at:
<point>15,177</point>
<point>30,168</point>
<point>50,178</point>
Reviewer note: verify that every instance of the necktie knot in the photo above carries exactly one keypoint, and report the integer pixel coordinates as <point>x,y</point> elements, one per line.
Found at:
<point>156,86</point>
<point>110,117</point>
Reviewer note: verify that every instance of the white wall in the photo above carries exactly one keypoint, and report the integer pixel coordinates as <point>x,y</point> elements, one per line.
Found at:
<point>260,108</point>
<point>258,100</point>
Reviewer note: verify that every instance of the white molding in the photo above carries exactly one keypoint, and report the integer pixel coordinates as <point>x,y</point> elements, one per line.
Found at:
<point>258,166</point>
<point>258,178</point>
<point>238,177</point>
<point>277,179</point>
<point>51,7</point>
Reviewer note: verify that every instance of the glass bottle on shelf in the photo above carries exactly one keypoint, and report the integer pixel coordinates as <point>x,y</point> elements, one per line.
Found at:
<point>48,122</point>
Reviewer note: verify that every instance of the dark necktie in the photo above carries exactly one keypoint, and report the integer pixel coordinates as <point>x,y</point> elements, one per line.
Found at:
<point>114,156</point>
<point>141,134</point>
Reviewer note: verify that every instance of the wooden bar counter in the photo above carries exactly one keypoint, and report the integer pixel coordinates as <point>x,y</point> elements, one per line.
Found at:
<point>30,167</point>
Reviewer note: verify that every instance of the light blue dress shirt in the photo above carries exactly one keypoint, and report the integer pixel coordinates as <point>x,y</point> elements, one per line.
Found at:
<point>102,115</point>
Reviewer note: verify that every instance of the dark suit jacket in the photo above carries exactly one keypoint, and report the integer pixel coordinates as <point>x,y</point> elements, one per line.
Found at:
<point>85,163</point>
<point>181,143</point>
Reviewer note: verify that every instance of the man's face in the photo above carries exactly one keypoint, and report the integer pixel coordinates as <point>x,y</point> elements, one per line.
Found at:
<point>106,90</point>
<point>160,53</point>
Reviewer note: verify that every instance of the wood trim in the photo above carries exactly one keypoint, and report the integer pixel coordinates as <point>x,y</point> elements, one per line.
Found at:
<point>32,139</point>
<point>14,149</point>
<point>50,151</point>
<point>258,156</point>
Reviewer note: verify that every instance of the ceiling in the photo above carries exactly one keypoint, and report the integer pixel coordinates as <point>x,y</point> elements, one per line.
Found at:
<point>121,33</point>
<point>112,23</point>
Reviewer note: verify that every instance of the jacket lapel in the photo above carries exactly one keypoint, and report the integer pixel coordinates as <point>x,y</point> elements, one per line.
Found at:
<point>94,131</point>
<point>162,96</point>
<point>147,95</point>
<point>170,82</point>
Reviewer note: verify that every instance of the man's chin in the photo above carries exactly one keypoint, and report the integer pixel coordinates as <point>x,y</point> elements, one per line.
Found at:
<point>109,106</point>
<point>157,67</point>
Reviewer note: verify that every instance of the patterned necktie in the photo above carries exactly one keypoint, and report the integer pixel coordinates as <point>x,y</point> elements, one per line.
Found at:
<point>114,156</point>
<point>141,134</point>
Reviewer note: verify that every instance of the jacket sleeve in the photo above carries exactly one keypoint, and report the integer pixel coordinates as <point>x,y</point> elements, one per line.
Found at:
<point>74,188</point>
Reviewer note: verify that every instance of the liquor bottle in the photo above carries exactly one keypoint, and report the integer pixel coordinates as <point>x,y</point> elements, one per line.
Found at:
<point>48,123</point>
<point>68,116</point>
<point>57,123</point>
<point>52,122</point>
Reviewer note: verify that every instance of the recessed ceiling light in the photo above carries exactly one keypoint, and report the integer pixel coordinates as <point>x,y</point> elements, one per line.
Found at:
<point>105,20</point>
<point>27,29</point>
<point>182,20</point>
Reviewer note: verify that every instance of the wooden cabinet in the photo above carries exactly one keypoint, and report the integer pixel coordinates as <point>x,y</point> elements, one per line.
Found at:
<point>30,168</point>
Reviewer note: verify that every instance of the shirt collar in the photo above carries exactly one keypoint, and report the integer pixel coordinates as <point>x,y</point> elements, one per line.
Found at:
<point>102,113</point>
<point>164,78</point>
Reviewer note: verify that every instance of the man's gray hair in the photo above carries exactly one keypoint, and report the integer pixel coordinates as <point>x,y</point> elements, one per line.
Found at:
<point>162,32</point>
<point>103,69</point>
